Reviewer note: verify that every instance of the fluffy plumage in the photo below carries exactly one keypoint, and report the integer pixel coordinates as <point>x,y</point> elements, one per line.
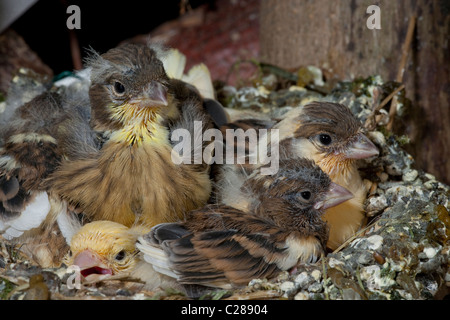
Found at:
<point>29,154</point>
<point>103,248</point>
<point>329,134</point>
<point>101,147</point>
<point>132,179</point>
<point>221,246</point>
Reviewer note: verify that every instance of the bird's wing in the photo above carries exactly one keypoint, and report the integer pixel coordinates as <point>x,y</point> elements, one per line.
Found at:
<point>28,155</point>
<point>227,247</point>
<point>151,250</point>
<point>30,149</point>
<point>156,257</point>
<point>216,258</point>
<point>33,146</point>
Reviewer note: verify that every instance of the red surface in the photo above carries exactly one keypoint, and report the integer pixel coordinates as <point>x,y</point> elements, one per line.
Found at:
<point>226,34</point>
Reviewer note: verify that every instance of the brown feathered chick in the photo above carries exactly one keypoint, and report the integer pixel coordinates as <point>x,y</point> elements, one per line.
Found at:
<point>220,246</point>
<point>28,155</point>
<point>132,178</point>
<point>102,145</point>
<point>329,134</point>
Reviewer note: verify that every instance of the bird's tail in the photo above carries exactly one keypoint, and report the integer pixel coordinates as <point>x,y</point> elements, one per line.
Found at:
<point>155,256</point>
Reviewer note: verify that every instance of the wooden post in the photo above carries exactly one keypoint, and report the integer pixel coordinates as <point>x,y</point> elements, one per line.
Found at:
<point>333,35</point>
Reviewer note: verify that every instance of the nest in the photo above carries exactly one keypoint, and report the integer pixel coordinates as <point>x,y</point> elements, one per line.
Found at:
<point>402,252</point>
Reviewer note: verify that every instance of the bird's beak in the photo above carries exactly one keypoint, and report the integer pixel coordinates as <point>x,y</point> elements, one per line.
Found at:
<point>154,95</point>
<point>91,266</point>
<point>335,195</point>
<point>361,148</point>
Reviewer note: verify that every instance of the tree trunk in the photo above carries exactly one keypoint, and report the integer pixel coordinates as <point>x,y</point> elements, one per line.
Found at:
<point>333,35</point>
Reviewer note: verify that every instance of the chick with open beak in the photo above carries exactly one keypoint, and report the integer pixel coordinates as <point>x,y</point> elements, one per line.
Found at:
<point>102,249</point>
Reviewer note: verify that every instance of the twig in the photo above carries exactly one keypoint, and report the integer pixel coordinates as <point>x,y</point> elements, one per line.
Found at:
<point>389,97</point>
<point>325,277</point>
<point>258,295</point>
<point>401,70</point>
<point>370,119</point>
<point>405,49</point>
<point>75,50</point>
<point>358,234</point>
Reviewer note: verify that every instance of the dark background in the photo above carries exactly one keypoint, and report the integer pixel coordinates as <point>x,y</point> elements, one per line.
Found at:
<point>103,25</point>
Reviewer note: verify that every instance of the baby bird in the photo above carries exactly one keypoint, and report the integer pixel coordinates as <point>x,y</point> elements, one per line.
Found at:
<point>104,248</point>
<point>220,246</point>
<point>132,178</point>
<point>329,134</point>
<point>29,153</point>
<point>103,148</point>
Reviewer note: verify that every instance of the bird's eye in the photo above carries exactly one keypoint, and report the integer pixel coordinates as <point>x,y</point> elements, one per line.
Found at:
<point>325,139</point>
<point>119,88</point>
<point>70,253</point>
<point>120,256</point>
<point>305,195</point>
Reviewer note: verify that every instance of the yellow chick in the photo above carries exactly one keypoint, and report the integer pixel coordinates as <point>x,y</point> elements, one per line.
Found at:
<point>102,249</point>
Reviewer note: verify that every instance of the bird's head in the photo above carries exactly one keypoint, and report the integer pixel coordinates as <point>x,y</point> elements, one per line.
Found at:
<point>102,249</point>
<point>331,135</point>
<point>297,195</point>
<point>129,91</point>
